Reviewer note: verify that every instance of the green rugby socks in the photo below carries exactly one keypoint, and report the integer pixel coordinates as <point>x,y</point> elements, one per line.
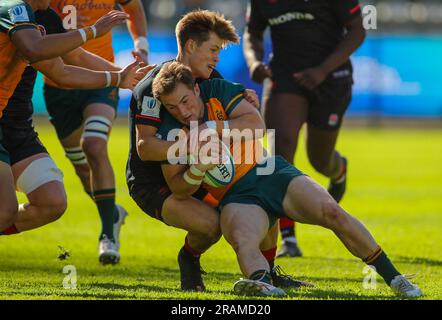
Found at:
<point>383,265</point>
<point>105,201</point>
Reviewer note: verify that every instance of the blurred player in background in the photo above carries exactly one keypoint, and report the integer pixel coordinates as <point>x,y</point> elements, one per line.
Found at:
<point>310,81</point>
<point>35,173</point>
<point>22,43</point>
<point>83,118</point>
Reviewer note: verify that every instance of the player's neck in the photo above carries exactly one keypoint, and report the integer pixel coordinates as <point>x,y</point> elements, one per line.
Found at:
<point>182,58</point>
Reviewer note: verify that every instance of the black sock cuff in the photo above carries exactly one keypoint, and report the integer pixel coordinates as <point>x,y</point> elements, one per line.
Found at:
<point>104,194</point>
<point>372,257</point>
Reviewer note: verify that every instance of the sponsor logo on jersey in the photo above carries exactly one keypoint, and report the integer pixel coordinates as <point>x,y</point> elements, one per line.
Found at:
<point>290,16</point>
<point>150,107</point>
<point>341,73</point>
<point>333,119</point>
<point>18,14</point>
<point>86,5</point>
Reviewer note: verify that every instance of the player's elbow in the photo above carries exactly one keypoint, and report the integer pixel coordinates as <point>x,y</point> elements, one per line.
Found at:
<point>32,54</point>
<point>142,150</point>
<point>61,80</point>
<point>258,122</point>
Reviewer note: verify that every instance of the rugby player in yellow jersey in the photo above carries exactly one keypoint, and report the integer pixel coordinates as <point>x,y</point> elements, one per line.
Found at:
<point>254,200</point>
<point>21,42</point>
<point>35,173</point>
<point>83,118</point>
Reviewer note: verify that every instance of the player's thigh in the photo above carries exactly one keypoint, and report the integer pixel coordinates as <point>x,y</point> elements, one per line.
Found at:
<point>244,223</point>
<point>8,198</point>
<point>41,180</point>
<point>190,214</point>
<point>285,112</point>
<point>305,201</point>
<point>73,139</point>
<point>49,194</point>
<point>327,109</point>
<point>99,110</point>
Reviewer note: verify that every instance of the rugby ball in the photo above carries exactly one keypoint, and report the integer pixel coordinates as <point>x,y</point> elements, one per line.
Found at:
<point>223,173</point>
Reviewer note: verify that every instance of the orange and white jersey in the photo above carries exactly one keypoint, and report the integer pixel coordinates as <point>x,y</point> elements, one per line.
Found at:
<point>14,15</point>
<point>88,12</point>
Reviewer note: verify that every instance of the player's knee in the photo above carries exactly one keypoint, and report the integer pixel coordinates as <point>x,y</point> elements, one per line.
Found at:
<point>239,241</point>
<point>95,150</point>
<point>213,230</point>
<point>334,215</point>
<point>56,207</point>
<point>83,172</point>
<point>321,164</point>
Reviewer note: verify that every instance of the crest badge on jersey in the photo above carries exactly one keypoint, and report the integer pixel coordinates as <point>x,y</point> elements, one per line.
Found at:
<point>333,119</point>
<point>151,107</point>
<point>18,14</point>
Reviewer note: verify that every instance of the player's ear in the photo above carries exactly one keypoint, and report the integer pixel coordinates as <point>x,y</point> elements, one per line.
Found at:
<point>197,89</point>
<point>190,46</point>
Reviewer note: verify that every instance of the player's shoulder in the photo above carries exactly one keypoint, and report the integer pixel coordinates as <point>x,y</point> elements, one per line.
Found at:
<point>144,87</point>
<point>49,13</point>
<point>15,11</point>
<point>51,21</point>
<point>219,87</point>
<point>169,128</point>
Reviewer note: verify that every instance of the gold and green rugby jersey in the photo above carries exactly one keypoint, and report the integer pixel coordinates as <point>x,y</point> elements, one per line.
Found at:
<point>14,15</point>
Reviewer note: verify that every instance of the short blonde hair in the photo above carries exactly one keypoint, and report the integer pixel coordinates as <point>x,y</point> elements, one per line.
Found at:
<point>198,24</point>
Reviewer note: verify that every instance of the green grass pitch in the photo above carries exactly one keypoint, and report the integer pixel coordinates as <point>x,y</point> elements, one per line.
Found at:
<point>395,189</point>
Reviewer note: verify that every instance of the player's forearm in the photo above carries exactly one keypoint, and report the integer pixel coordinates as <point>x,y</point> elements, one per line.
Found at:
<point>351,41</point>
<point>136,23</point>
<point>85,59</point>
<point>79,78</point>
<point>181,187</point>
<point>55,45</point>
<point>253,47</point>
<point>153,149</point>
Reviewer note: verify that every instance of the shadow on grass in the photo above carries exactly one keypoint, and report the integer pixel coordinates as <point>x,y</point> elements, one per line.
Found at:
<point>315,293</point>
<point>70,294</point>
<point>418,260</point>
<point>324,259</point>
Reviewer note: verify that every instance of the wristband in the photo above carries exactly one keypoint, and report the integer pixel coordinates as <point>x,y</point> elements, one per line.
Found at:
<point>118,80</point>
<point>190,180</point>
<point>141,44</point>
<point>108,78</point>
<point>83,35</point>
<point>94,31</point>
<point>196,172</point>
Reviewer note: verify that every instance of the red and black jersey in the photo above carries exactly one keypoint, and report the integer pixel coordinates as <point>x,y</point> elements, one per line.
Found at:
<point>303,32</point>
<point>146,110</point>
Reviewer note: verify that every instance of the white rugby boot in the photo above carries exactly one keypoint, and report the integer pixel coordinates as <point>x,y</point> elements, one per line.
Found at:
<point>247,287</point>
<point>122,214</point>
<point>404,288</point>
<point>108,251</point>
